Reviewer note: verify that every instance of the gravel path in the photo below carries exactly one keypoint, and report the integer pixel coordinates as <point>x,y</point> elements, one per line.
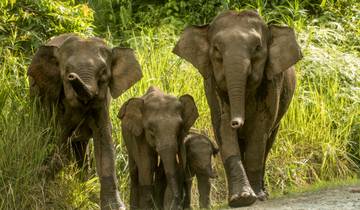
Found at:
<point>340,198</point>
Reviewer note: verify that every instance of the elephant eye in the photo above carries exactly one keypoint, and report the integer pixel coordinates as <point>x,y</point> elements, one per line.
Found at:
<point>217,54</point>
<point>102,70</point>
<point>257,48</point>
<point>151,131</point>
<point>67,68</point>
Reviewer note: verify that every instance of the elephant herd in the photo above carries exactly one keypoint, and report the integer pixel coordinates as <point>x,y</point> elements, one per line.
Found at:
<point>249,81</point>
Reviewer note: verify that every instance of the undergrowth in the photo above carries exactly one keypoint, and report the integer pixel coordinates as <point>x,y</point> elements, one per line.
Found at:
<point>319,139</point>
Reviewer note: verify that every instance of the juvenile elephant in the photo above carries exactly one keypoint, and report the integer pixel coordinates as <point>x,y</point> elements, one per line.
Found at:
<point>78,76</point>
<point>249,82</point>
<point>155,125</point>
<point>199,150</point>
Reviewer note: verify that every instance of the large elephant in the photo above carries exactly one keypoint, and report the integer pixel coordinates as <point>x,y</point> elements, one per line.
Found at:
<point>78,77</point>
<point>249,82</point>
<point>155,125</point>
<point>199,150</point>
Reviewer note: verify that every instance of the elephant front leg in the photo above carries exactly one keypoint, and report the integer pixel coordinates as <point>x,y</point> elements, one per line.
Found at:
<point>256,141</point>
<point>134,184</point>
<point>146,169</point>
<point>204,190</point>
<point>159,186</point>
<point>105,165</point>
<point>240,191</point>
<point>187,199</point>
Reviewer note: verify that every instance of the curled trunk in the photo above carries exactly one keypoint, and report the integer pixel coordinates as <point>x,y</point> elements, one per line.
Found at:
<point>81,89</point>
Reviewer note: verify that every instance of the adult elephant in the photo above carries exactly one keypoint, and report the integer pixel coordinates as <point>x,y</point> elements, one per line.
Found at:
<point>249,81</point>
<point>78,77</point>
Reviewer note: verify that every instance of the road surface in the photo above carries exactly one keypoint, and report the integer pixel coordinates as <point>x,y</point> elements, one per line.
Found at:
<point>340,198</point>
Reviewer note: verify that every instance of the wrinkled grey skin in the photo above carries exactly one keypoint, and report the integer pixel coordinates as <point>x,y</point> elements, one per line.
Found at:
<point>249,82</point>
<point>153,126</point>
<point>199,150</point>
<point>78,77</point>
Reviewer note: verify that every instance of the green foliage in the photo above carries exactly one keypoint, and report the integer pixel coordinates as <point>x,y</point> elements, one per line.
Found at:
<point>319,137</point>
<point>26,135</point>
<point>25,24</point>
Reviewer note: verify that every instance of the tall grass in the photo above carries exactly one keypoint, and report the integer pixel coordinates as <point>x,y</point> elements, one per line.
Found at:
<point>319,137</point>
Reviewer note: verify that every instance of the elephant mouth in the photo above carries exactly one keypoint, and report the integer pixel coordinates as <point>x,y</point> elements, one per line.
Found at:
<point>82,90</point>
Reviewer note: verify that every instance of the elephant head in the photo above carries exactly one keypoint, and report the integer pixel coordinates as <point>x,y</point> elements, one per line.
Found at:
<point>85,69</point>
<point>237,49</point>
<point>162,120</point>
<point>199,150</point>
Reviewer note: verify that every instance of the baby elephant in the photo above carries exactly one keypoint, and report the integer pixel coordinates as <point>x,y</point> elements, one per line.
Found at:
<point>199,149</point>
<point>153,126</point>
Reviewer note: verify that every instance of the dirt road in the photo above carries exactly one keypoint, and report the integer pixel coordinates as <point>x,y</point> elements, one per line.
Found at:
<point>340,198</point>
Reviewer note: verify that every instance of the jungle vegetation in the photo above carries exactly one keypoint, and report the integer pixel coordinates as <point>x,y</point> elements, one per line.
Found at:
<point>319,139</point>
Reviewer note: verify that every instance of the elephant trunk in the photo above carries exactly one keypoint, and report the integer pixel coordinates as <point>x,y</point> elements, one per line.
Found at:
<point>236,78</point>
<point>168,157</point>
<point>82,90</point>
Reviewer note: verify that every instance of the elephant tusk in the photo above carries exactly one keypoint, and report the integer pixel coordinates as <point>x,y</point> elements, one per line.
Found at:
<point>177,159</point>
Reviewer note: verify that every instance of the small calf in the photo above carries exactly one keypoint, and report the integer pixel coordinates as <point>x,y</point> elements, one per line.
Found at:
<point>199,149</point>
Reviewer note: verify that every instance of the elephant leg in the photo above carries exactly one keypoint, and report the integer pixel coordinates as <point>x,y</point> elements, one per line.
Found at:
<point>160,185</point>
<point>105,162</point>
<point>105,166</point>
<point>271,141</point>
<point>269,144</point>
<point>59,157</point>
<point>240,191</point>
<point>82,158</point>
<point>146,168</point>
<point>187,198</point>
<point>134,184</point>
<point>79,148</point>
<point>204,191</point>
<point>255,154</point>
<point>242,147</point>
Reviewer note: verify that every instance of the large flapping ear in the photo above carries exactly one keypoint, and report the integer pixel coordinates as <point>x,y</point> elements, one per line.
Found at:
<point>193,46</point>
<point>44,74</point>
<point>284,51</point>
<point>125,71</point>
<point>130,115</point>
<point>189,112</point>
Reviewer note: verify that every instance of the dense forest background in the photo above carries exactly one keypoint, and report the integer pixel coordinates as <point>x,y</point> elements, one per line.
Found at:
<point>319,138</point>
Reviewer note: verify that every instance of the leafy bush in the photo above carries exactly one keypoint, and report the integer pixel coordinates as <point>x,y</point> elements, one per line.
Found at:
<point>25,24</point>
<point>319,137</point>
<point>26,135</point>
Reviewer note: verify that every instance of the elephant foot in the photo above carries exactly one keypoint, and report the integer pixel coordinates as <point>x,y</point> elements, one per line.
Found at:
<point>121,206</point>
<point>240,191</point>
<point>116,205</point>
<point>243,198</point>
<point>113,203</point>
<point>262,196</point>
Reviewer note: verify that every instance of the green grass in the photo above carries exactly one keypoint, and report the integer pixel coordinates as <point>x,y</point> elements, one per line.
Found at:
<point>319,139</point>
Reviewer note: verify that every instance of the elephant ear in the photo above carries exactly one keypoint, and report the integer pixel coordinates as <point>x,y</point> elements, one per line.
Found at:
<point>189,112</point>
<point>131,115</point>
<point>44,74</point>
<point>125,71</point>
<point>193,46</point>
<point>284,51</point>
